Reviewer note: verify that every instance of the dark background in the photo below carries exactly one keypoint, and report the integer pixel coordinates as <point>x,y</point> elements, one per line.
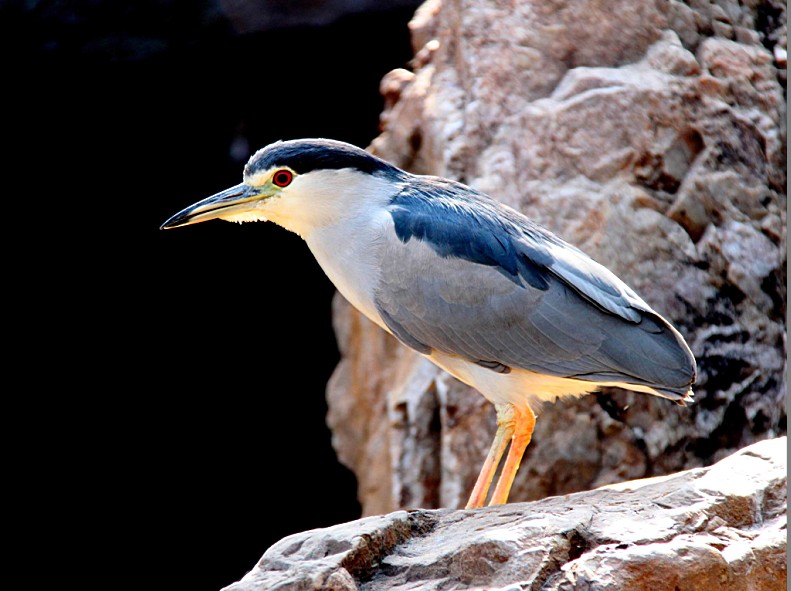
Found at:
<point>172,399</point>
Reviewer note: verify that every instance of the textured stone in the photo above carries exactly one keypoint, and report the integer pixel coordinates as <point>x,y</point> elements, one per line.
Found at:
<point>722,527</point>
<point>652,136</point>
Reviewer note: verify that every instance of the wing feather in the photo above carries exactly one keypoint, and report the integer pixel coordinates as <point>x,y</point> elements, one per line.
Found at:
<point>468,276</point>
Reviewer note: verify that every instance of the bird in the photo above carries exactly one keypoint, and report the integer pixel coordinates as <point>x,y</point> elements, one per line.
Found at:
<point>487,294</point>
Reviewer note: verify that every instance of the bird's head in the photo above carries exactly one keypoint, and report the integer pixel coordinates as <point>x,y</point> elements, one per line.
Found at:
<point>301,185</point>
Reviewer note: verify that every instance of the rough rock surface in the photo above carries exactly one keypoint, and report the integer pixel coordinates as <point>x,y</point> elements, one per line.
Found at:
<point>651,134</point>
<point>721,527</point>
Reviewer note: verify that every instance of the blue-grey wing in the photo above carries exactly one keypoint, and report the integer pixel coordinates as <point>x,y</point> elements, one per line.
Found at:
<point>476,279</point>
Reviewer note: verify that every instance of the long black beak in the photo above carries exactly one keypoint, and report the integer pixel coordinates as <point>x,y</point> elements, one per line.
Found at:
<point>225,203</point>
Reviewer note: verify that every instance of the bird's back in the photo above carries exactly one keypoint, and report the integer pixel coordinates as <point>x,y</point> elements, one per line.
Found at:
<point>474,279</point>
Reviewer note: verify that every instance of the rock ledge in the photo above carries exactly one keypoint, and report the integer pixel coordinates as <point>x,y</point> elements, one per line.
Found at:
<point>721,527</point>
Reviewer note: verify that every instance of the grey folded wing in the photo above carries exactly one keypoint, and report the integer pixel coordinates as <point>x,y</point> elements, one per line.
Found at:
<point>508,298</point>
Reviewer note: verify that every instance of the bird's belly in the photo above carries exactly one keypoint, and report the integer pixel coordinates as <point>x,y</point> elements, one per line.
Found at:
<point>519,386</point>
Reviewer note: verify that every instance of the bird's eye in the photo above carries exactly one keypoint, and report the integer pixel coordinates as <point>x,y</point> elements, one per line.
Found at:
<point>283,178</point>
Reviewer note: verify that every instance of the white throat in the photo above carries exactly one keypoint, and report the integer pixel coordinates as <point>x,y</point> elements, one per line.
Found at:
<point>343,217</point>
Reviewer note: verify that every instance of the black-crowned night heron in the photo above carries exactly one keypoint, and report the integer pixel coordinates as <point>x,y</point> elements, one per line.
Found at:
<point>485,293</point>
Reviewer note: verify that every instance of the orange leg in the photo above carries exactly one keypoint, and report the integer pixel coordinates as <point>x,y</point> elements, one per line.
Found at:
<point>505,431</point>
<point>524,422</point>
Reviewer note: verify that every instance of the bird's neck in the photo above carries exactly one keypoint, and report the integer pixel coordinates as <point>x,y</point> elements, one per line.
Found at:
<point>349,254</point>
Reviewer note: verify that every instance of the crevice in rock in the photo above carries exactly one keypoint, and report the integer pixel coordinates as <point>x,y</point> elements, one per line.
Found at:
<point>663,170</point>
<point>614,410</point>
<point>578,544</point>
<point>363,561</point>
<point>726,436</point>
<point>774,286</point>
<point>575,544</point>
<point>642,446</point>
<point>769,18</point>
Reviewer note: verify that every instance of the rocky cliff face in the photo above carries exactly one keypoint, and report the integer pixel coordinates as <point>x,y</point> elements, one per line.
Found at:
<point>651,134</point>
<point>722,527</point>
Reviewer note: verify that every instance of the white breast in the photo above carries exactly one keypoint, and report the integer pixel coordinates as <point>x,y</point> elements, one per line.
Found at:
<point>350,263</point>
<point>348,249</point>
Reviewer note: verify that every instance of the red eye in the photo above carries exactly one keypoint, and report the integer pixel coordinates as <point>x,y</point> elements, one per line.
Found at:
<point>283,178</point>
